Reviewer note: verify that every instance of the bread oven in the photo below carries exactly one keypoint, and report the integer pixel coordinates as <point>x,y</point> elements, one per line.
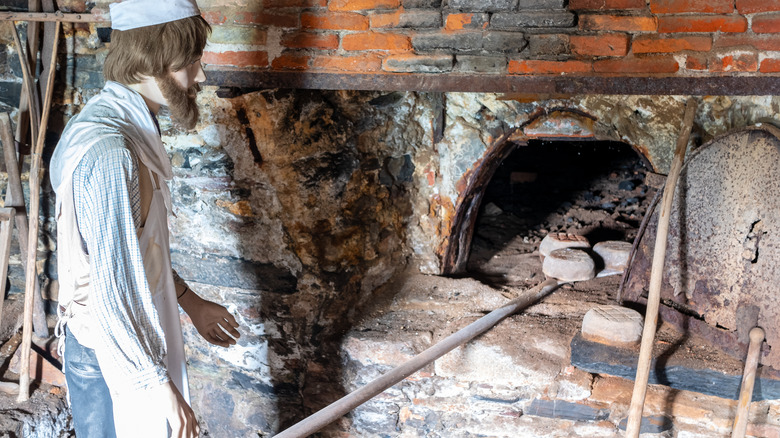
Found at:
<point>337,188</point>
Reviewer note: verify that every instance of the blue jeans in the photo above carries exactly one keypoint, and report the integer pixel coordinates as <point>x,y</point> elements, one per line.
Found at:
<point>90,400</point>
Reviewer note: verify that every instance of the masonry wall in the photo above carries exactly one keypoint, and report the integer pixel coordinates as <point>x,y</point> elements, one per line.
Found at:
<point>295,207</point>
<point>513,37</point>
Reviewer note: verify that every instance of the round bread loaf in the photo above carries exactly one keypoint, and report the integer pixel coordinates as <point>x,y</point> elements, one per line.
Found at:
<point>613,325</point>
<point>569,264</point>
<point>615,254</point>
<point>554,241</point>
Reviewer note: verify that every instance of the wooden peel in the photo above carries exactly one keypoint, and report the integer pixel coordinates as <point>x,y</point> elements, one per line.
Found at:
<point>342,406</point>
<point>748,379</point>
<point>656,275</point>
<point>32,239</point>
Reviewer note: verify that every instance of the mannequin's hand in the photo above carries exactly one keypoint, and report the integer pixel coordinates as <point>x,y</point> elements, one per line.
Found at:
<point>180,416</point>
<point>212,321</point>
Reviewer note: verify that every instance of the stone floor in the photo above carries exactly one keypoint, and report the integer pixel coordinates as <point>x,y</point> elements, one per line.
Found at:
<point>514,381</point>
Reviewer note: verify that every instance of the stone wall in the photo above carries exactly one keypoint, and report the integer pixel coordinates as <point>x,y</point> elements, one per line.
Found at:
<point>295,207</point>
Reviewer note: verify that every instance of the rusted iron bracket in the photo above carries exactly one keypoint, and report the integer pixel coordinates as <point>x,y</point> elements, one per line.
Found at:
<point>248,80</point>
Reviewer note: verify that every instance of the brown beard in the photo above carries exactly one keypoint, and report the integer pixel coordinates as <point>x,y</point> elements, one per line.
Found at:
<point>181,101</point>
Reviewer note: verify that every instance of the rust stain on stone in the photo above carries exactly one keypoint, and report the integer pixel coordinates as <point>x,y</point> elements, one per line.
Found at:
<point>240,208</point>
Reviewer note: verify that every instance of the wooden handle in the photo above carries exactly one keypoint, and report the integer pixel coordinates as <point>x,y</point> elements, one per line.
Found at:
<point>748,379</point>
<point>656,275</point>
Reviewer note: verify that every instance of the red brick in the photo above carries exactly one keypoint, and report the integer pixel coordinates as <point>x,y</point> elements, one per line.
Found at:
<point>654,44</point>
<point>213,17</point>
<point>40,369</point>
<point>769,43</point>
<point>385,19</point>
<point>276,20</point>
<point>290,61</point>
<point>770,65</point>
<point>376,41</point>
<point>361,63</point>
<point>623,23</point>
<point>753,6</point>
<point>268,4</point>
<point>768,23</point>
<point>688,6</point>
<point>465,21</point>
<point>334,21</point>
<point>701,23</point>
<point>238,59</point>
<point>310,40</point>
<point>362,5</point>
<point>547,67</point>
<point>615,44</point>
<point>696,62</point>
<point>600,5</point>
<point>734,62</point>
<point>653,64</point>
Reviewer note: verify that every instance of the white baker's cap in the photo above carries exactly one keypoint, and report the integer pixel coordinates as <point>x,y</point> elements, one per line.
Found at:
<point>132,14</point>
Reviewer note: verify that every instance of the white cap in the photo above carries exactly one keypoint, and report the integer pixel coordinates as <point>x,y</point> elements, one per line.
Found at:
<point>132,14</point>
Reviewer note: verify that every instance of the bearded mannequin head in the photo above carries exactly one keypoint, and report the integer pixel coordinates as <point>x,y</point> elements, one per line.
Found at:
<point>162,62</point>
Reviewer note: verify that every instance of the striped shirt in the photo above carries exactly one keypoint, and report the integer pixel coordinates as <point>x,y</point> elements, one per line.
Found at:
<point>108,210</point>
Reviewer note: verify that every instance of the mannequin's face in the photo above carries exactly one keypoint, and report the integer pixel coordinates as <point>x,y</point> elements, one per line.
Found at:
<point>190,75</point>
<point>177,91</point>
<point>180,89</point>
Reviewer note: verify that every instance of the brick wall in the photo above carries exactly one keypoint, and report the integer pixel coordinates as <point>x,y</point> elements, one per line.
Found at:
<point>512,37</point>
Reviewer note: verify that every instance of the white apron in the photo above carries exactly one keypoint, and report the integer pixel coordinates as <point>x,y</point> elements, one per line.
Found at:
<point>134,415</point>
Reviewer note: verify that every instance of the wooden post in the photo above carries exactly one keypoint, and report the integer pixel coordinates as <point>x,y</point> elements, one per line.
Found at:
<point>656,275</point>
<point>35,189</point>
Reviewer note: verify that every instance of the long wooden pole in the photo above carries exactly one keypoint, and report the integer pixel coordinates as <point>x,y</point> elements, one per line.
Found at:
<point>32,237</point>
<point>748,379</point>
<point>656,275</point>
<point>29,85</point>
<point>340,407</point>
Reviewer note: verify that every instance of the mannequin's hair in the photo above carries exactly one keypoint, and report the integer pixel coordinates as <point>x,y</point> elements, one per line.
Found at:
<point>155,50</point>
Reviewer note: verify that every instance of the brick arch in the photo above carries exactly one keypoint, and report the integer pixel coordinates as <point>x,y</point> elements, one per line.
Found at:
<point>555,123</point>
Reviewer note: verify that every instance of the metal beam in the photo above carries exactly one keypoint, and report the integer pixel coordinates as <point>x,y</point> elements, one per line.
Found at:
<point>244,80</point>
<point>54,16</point>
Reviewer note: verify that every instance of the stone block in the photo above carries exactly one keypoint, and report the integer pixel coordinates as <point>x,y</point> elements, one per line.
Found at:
<point>541,4</point>
<point>418,63</point>
<point>411,4</point>
<point>465,21</point>
<point>548,45</point>
<point>420,19</point>
<point>480,64</point>
<point>233,272</point>
<point>565,410</point>
<point>521,20</point>
<point>450,42</point>
<point>598,358</point>
<point>10,92</point>
<point>237,35</point>
<point>483,5</point>
<point>651,424</point>
<point>505,42</point>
